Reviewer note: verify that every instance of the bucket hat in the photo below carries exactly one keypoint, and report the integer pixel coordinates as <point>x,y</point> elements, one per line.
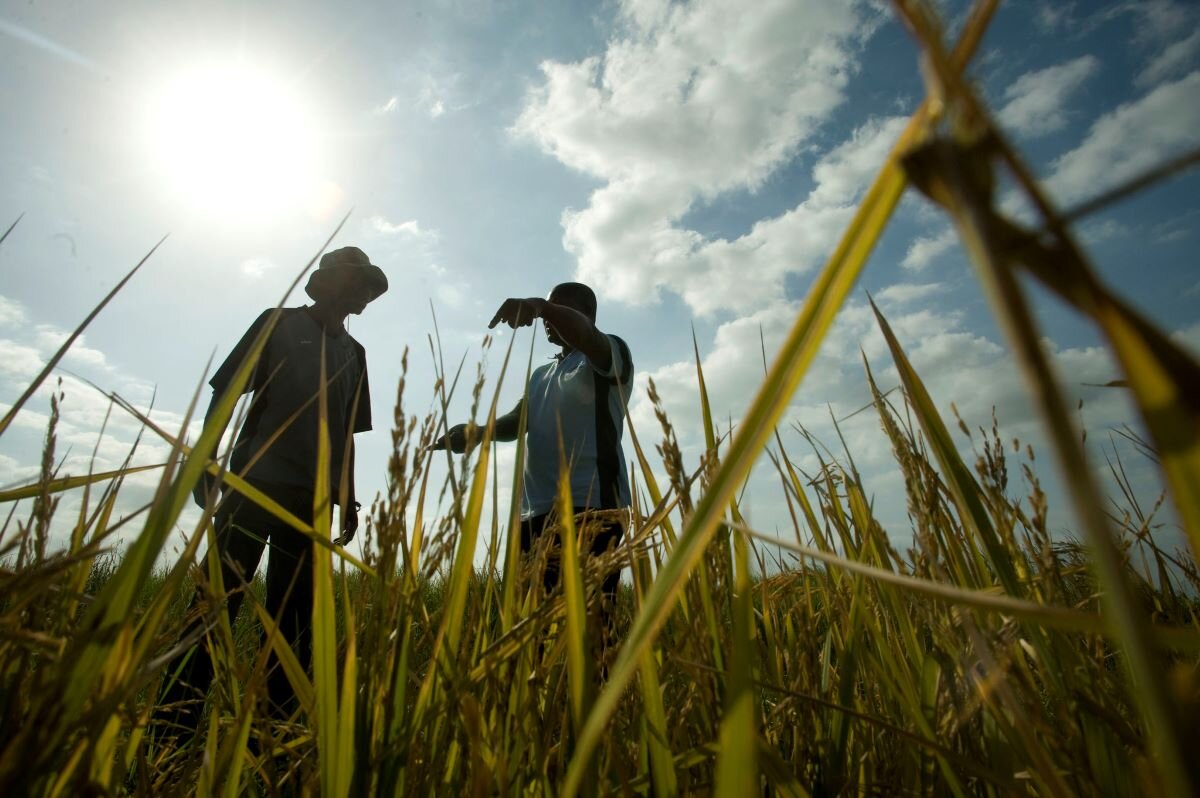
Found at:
<point>337,267</point>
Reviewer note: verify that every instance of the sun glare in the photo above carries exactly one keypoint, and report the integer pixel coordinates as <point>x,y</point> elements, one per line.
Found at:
<point>233,140</point>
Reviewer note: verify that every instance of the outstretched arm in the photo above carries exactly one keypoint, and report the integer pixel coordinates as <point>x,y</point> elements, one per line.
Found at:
<point>574,328</point>
<point>507,427</point>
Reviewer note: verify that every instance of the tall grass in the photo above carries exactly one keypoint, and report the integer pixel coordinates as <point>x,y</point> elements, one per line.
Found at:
<point>985,658</point>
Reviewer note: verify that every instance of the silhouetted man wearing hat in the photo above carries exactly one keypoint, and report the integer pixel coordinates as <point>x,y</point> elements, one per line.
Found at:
<point>575,415</point>
<point>276,452</point>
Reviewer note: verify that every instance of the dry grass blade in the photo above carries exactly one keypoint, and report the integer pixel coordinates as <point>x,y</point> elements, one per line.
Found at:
<point>1063,618</point>
<point>10,227</point>
<point>737,763</point>
<point>1172,167</point>
<point>70,483</point>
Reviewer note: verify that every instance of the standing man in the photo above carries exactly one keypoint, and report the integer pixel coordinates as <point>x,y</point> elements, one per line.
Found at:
<point>276,452</point>
<point>580,396</point>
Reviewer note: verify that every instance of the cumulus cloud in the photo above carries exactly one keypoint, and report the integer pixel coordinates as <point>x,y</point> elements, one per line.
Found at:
<point>1037,102</point>
<point>1130,139</point>
<point>691,101</point>
<point>925,249</point>
<point>627,246</point>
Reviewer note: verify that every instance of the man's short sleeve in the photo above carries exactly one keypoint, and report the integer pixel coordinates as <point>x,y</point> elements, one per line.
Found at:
<point>225,373</point>
<point>362,413</point>
<point>621,365</point>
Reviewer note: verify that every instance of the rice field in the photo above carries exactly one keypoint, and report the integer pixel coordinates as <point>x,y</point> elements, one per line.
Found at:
<point>985,658</point>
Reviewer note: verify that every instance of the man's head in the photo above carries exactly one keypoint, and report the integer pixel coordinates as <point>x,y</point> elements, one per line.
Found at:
<point>576,296</point>
<point>346,279</point>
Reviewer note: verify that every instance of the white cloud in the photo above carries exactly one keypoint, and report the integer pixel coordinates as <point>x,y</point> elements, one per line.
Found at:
<point>258,267</point>
<point>702,94</point>
<point>903,293</point>
<point>1158,20</point>
<point>957,366</point>
<point>432,94</point>
<point>1097,232</point>
<point>1176,228</point>
<point>1054,14</point>
<point>48,339</point>
<point>387,107</point>
<point>1037,102</point>
<point>12,312</point>
<point>19,360</point>
<point>451,295</point>
<point>924,250</point>
<point>629,248</point>
<point>407,229</point>
<point>1189,337</point>
<point>83,411</point>
<point>1130,139</point>
<point>12,473</point>
<point>431,103</point>
<point>694,100</point>
<point>1171,61</point>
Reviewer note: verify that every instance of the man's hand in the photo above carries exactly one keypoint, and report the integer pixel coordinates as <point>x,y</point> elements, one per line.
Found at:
<point>455,440</point>
<point>349,524</point>
<point>518,312</point>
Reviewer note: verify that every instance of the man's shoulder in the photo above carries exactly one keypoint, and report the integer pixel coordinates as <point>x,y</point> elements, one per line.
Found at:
<point>621,342</point>
<point>283,315</point>
<point>622,348</point>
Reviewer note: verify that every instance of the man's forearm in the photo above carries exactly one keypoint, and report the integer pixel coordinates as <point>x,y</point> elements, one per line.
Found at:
<point>507,427</point>
<point>578,332</point>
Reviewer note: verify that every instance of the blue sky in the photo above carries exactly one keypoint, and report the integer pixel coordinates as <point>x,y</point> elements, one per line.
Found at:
<point>694,162</point>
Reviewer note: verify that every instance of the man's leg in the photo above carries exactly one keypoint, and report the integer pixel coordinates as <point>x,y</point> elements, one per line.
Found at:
<point>531,533</point>
<point>608,537</point>
<point>290,600</point>
<point>239,549</point>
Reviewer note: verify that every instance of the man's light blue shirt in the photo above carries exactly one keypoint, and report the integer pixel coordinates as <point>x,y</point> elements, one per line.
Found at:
<point>588,406</point>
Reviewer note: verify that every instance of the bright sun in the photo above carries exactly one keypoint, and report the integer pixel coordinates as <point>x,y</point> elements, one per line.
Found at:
<point>234,140</point>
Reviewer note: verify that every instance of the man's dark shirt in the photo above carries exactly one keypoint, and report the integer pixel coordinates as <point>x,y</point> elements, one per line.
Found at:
<point>286,378</point>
